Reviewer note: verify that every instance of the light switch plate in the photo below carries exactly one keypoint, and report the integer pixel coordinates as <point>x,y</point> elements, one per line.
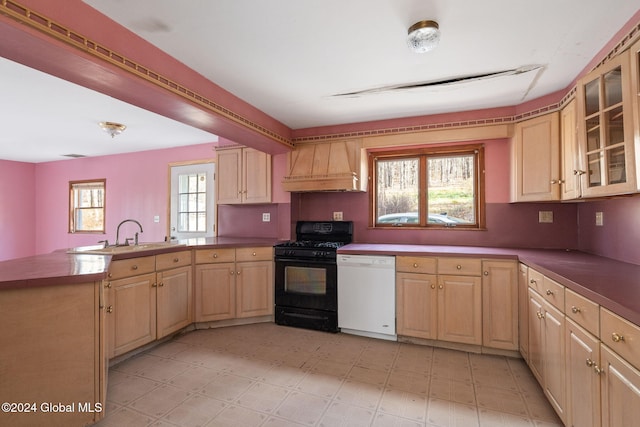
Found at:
<point>545,217</point>
<point>337,216</point>
<point>599,219</point>
<point>156,218</point>
<point>266,217</point>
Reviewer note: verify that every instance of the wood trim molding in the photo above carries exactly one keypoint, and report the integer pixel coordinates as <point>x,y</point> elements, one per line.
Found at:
<point>43,24</point>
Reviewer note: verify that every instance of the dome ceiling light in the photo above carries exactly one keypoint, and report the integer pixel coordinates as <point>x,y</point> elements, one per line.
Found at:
<point>112,128</point>
<point>423,36</point>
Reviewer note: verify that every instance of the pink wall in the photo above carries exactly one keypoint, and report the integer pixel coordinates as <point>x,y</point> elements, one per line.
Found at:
<point>619,237</point>
<point>136,188</point>
<point>17,209</point>
<point>509,225</point>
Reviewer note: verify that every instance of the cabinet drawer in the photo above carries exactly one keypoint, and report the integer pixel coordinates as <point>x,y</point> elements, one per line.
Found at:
<point>173,259</point>
<point>460,266</point>
<point>206,256</point>
<point>583,311</point>
<point>416,264</point>
<point>553,292</point>
<point>132,267</point>
<point>254,254</point>
<point>621,336</point>
<point>536,280</point>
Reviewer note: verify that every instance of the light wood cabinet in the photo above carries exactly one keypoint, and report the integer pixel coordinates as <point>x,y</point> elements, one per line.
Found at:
<point>233,283</point>
<point>174,298</point>
<point>523,310</point>
<point>243,176</point>
<point>547,350</point>
<point>500,304</point>
<point>417,304</point>
<point>52,350</point>
<point>535,159</point>
<point>143,304</point>
<point>460,309</point>
<point>583,377</point>
<point>606,129</point>
<point>620,390</point>
<point>570,171</point>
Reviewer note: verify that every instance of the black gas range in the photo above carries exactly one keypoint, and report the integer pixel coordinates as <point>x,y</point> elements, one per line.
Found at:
<point>306,275</point>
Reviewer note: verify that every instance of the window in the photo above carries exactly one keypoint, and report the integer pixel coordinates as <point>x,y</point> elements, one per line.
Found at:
<point>432,187</point>
<point>86,206</point>
<point>192,202</point>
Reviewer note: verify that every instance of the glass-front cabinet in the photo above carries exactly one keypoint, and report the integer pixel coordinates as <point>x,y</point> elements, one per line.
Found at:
<point>606,129</point>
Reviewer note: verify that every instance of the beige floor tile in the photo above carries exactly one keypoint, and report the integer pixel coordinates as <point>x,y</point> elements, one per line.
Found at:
<point>196,411</point>
<point>268,375</point>
<point>403,404</point>
<point>302,408</point>
<point>160,400</point>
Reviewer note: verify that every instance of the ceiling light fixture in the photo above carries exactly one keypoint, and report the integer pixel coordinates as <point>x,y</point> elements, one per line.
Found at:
<point>423,36</point>
<point>112,128</point>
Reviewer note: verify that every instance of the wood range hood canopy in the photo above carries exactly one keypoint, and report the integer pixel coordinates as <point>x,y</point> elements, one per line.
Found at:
<point>327,166</point>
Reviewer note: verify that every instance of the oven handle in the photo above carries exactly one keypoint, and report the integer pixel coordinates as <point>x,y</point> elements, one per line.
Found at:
<point>305,261</point>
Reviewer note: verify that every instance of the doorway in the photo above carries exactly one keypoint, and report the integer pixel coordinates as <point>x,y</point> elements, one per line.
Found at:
<point>192,201</point>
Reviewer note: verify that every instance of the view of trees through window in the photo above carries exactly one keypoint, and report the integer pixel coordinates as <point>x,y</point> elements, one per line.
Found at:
<point>192,202</point>
<point>449,181</point>
<point>86,206</point>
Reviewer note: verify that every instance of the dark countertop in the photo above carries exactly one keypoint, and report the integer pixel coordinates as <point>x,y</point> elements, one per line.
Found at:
<point>613,284</point>
<point>61,267</point>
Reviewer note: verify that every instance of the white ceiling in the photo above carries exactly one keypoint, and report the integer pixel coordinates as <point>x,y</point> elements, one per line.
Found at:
<point>290,57</point>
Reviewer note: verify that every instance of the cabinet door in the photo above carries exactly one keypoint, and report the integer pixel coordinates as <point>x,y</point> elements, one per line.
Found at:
<point>553,349</point>
<point>174,300</point>
<point>606,129</point>
<point>229,176</point>
<point>535,334</point>
<point>256,176</point>
<point>254,288</point>
<point>460,309</point>
<point>536,159</point>
<point>215,296</point>
<point>500,304</point>
<point>131,313</point>
<point>620,388</point>
<point>583,381</point>
<point>417,305</point>
<point>523,310</point>
<point>569,188</point>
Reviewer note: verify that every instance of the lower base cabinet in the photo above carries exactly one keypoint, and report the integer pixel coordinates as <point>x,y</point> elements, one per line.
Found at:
<point>620,388</point>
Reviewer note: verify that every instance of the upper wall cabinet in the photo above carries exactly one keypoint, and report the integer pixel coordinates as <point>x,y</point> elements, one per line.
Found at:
<point>243,176</point>
<point>570,171</point>
<point>606,128</point>
<point>535,160</point>
<point>329,166</point>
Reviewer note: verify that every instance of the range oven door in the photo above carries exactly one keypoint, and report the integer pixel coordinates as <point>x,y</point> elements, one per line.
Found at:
<point>306,284</point>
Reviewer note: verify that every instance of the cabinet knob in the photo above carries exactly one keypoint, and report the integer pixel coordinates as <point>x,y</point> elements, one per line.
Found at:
<point>554,181</point>
<point>154,285</point>
<point>110,309</point>
<point>238,273</point>
<point>415,265</point>
<point>232,272</point>
<point>176,259</point>
<point>597,369</point>
<point>433,286</point>
<point>590,363</point>
<point>459,267</point>
<point>108,285</point>
<point>440,287</point>
<point>134,267</point>
<point>486,273</point>
<point>575,310</point>
<point>550,292</point>
<point>215,255</point>
<point>161,284</point>
<point>110,275</point>
<point>533,281</point>
<point>617,337</point>
<point>540,315</point>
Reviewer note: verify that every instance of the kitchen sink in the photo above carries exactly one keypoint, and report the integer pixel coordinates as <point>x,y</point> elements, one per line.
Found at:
<point>113,250</point>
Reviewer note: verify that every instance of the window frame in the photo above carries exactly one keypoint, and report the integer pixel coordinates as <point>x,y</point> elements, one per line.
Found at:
<point>422,154</point>
<point>73,185</point>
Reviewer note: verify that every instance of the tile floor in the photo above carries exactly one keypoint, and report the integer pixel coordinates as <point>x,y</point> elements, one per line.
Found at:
<point>269,375</point>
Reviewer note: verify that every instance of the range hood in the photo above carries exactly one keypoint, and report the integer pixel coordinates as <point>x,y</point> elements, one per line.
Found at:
<point>327,166</point>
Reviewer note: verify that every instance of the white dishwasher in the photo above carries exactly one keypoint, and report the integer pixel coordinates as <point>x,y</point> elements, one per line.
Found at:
<point>367,295</point>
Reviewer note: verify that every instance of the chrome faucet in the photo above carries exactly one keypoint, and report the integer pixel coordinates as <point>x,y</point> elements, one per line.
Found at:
<point>127,240</point>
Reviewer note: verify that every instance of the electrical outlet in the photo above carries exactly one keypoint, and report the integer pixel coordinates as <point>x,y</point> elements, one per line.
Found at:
<point>337,216</point>
<point>266,217</point>
<point>545,217</point>
<point>599,219</point>
<point>156,218</point>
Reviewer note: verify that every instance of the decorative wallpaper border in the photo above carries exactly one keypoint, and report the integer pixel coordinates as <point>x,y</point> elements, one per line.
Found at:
<point>45,25</point>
